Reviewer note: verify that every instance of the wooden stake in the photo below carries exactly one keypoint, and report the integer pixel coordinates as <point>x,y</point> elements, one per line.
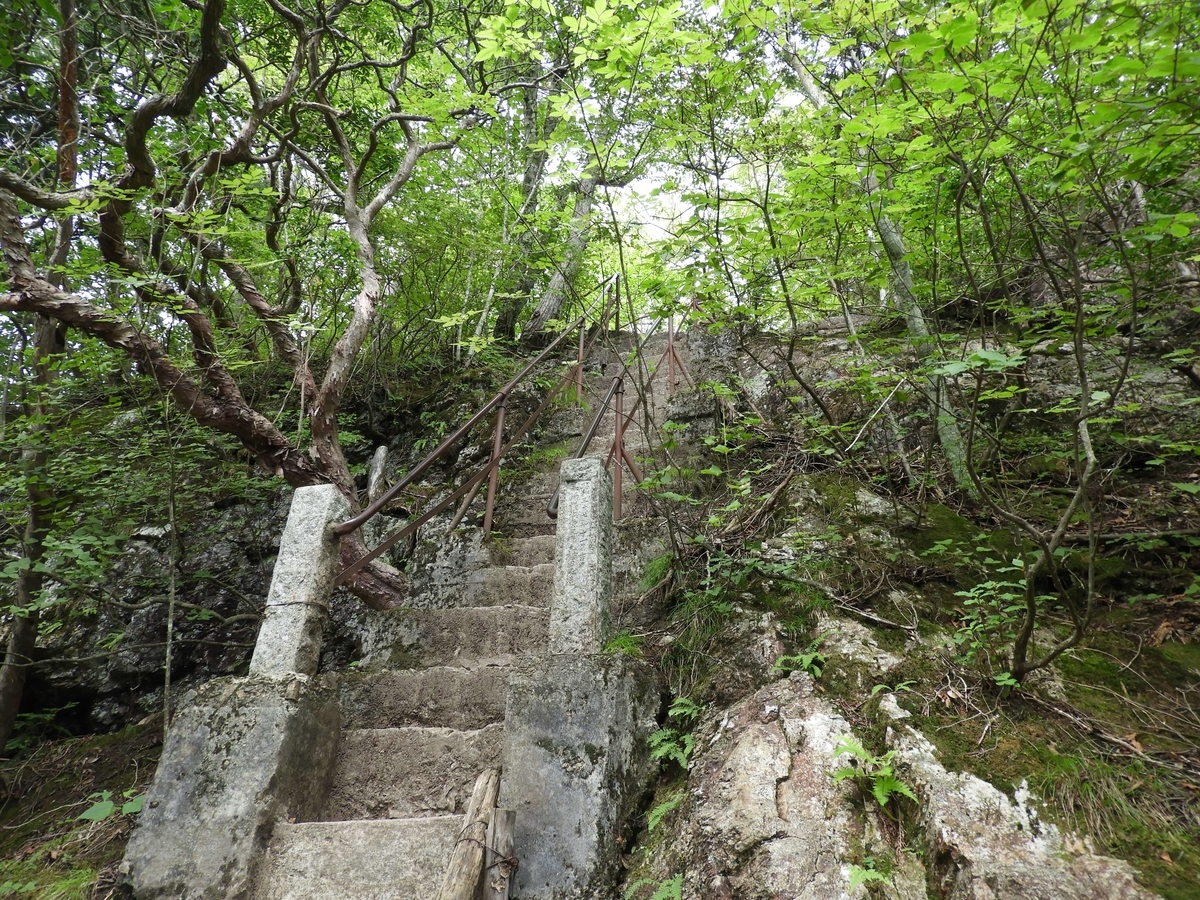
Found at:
<point>466,862</point>
<point>502,866</point>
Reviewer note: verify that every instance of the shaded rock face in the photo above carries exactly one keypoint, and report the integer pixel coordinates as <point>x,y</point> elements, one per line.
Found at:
<point>763,818</point>
<point>109,663</point>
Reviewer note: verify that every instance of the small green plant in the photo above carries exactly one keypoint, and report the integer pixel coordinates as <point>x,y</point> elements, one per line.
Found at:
<point>903,687</point>
<point>624,643</point>
<point>671,889</point>
<point>860,875</point>
<point>875,775</point>
<point>103,805</point>
<point>660,812</point>
<point>1006,682</point>
<point>676,743</point>
<point>812,661</point>
<point>656,570</point>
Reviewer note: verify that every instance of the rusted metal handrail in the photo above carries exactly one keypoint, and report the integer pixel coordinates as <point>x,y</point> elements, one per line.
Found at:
<point>552,506</point>
<point>618,450</point>
<point>465,488</point>
<point>359,520</point>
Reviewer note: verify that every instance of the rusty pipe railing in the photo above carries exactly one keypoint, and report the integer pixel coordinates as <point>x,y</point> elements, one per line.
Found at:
<point>618,450</point>
<point>459,433</point>
<point>617,389</point>
<point>471,484</point>
<point>552,506</point>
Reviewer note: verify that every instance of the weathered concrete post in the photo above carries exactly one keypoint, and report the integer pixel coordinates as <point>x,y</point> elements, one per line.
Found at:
<point>579,614</point>
<point>289,640</point>
<point>575,728</point>
<point>243,753</point>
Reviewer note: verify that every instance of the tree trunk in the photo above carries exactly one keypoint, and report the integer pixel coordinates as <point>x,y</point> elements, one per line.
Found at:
<point>933,386</point>
<point>50,340</point>
<point>555,298</point>
<point>23,636</point>
<point>534,136</point>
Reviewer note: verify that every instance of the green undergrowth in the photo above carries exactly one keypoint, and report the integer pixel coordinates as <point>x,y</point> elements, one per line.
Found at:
<point>47,851</point>
<point>1132,800</point>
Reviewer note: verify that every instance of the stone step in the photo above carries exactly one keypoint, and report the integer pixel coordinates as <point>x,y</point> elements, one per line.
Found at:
<point>493,586</point>
<point>382,859</point>
<point>444,696</point>
<point>397,773</point>
<point>529,551</point>
<point>470,637</point>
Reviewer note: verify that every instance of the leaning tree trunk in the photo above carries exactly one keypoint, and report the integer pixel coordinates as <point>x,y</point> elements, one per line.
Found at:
<point>555,298</point>
<point>534,136</point>
<point>932,386</point>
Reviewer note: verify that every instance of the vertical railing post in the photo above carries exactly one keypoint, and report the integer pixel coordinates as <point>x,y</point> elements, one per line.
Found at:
<point>618,448</point>
<point>671,378</point>
<point>494,478</point>
<point>579,365</point>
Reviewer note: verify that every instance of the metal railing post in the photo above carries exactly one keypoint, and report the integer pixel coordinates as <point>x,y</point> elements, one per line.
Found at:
<point>618,449</point>
<point>494,478</point>
<point>579,365</point>
<point>671,356</point>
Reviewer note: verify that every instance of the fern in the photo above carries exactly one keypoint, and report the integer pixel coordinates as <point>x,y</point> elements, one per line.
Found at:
<point>885,785</point>
<point>656,815</point>
<point>860,876</point>
<point>667,744</point>
<point>671,889</point>
<point>874,774</point>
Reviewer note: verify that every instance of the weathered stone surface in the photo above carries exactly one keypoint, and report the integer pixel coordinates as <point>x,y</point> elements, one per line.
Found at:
<point>984,846</point>
<point>579,614</point>
<point>394,773</point>
<point>762,817</point>
<point>472,637</point>
<point>450,696</point>
<point>531,551</point>
<point>241,755</point>
<point>575,765</point>
<point>289,640</point>
<point>381,859</point>
<point>503,586</point>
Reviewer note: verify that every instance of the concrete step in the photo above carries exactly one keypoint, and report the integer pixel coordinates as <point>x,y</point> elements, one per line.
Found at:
<point>444,696</point>
<point>471,637</point>
<point>383,859</point>
<point>505,585</point>
<point>396,773</point>
<point>528,551</point>
<point>493,586</point>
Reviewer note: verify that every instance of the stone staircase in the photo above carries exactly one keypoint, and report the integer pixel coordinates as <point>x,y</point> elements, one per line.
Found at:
<point>287,784</point>
<point>419,725</point>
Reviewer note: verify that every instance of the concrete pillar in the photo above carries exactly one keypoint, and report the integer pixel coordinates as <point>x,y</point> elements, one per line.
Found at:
<point>242,754</point>
<point>576,763</point>
<point>289,640</point>
<point>579,615</point>
<point>577,722</point>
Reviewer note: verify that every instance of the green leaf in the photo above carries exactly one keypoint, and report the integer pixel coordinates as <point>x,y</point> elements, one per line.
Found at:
<point>887,785</point>
<point>100,810</point>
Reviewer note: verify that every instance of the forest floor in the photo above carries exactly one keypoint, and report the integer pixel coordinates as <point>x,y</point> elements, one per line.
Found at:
<point>66,809</point>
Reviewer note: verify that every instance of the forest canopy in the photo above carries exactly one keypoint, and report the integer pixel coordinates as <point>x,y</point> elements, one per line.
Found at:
<point>252,207</point>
